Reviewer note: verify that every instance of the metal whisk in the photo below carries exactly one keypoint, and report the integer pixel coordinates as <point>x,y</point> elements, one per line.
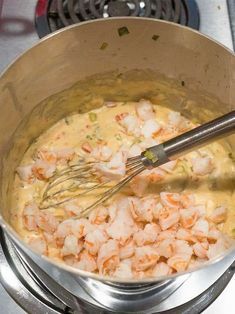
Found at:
<point>85,178</point>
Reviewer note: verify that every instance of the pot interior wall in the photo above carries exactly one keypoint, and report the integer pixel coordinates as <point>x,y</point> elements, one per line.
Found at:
<point>103,66</point>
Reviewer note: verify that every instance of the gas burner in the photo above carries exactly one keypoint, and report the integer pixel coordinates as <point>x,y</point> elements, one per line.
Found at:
<point>37,291</point>
<point>52,15</point>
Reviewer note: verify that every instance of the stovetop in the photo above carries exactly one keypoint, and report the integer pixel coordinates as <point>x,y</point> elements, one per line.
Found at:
<point>215,18</point>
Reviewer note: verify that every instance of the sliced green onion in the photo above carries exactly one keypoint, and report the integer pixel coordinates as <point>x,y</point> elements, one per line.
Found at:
<point>92,116</point>
<point>123,31</point>
<point>155,37</point>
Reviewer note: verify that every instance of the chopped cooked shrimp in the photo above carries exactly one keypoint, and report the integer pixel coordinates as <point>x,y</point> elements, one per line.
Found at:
<point>186,234</point>
<point>154,175</point>
<point>202,165</point>
<point>157,210</point>
<point>130,123</point>
<point>187,200</point>
<point>115,168</point>
<point>47,155</point>
<point>179,262</point>
<point>139,185</point>
<point>71,246</point>
<point>63,230</point>
<point>200,209</point>
<point>219,215</point>
<point>182,247</point>
<point>161,269</point>
<point>43,170</point>
<point>65,155</point>
<point>102,153</point>
<point>200,249</point>
<point>166,248</point>
<point>86,262</point>
<point>144,258</point>
<point>147,236</point>
<point>123,226</point>
<point>38,244</point>
<point>81,227</point>
<point>171,200</point>
<point>29,213</point>
<point>98,215</point>
<point>201,228</point>
<point>166,234</point>
<point>108,257</point>
<point>188,217</point>
<point>46,221</point>
<point>144,110</point>
<point>214,234</point>
<point>150,128</point>
<point>25,173</point>
<point>168,218</point>
<point>94,240</point>
<point>72,208</point>
<point>123,270</point>
<point>127,250</point>
<point>142,210</point>
<point>177,122</point>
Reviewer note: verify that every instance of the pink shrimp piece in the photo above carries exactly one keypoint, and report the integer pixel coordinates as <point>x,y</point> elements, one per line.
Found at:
<point>71,246</point>
<point>185,234</point>
<point>214,234</point>
<point>144,110</point>
<point>123,226</point>
<point>157,210</point>
<point>161,269</point>
<point>127,250</point>
<point>179,262</point>
<point>139,185</point>
<point>167,234</point>
<point>25,173</point>
<point>86,262</point>
<point>147,236</point>
<point>43,170</point>
<point>171,200</point>
<point>115,168</point>
<point>94,240</point>
<point>141,210</point>
<point>202,165</point>
<point>108,257</point>
<point>187,200</point>
<point>168,218</point>
<point>182,247</point>
<point>86,147</point>
<point>29,213</point>
<point>200,249</point>
<point>144,258</point>
<point>177,122</point>
<point>123,270</point>
<point>201,228</point>
<point>63,230</point>
<point>46,155</point>
<point>200,209</point>
<point>38,244</point>
<point>65,155</point>
<point>150,128</point>
<point>169,166</point>
<point>166,248</point>
<point>130,123</point>
<point>188,217</point>
<point>46,221</point>
<point>81,227</point>
<point>99,215</point>
<point>102,153</point>
<point>72,208</point>
<point>155,175</point>
<point>219,215</point>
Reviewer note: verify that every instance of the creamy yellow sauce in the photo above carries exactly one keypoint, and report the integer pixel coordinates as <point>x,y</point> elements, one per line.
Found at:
<point>214,189</point>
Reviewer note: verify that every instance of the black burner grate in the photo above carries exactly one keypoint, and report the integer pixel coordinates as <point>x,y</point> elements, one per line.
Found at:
<point>52,15</point>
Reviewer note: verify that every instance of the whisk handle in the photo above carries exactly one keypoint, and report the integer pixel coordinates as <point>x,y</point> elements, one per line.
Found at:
<point>191,140</point>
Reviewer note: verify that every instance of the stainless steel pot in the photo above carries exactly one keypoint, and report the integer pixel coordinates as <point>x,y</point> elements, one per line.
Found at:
<point>114,59</point>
